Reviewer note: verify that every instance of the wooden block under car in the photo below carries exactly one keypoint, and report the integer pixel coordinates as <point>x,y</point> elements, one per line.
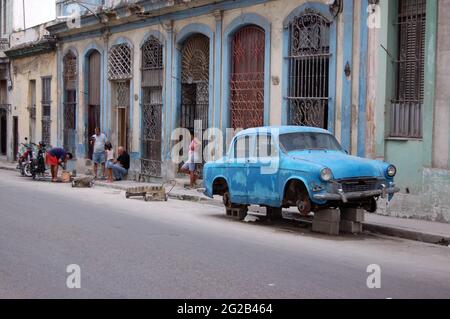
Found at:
<point>83,182</point>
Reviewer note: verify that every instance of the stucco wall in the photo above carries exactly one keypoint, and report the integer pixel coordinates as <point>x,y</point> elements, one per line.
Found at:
<point>441,132</point>
<point>24,70</point>
<point>274,12</point>
<point>433,203</point>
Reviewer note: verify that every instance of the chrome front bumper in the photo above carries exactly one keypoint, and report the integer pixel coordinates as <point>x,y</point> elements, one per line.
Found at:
<point>345,197</point>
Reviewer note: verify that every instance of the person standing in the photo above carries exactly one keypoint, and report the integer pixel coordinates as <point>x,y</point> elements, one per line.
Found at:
<point>189,166</point>
<point>55,157</point>
<point>121,165</point>
<point>98,157</point>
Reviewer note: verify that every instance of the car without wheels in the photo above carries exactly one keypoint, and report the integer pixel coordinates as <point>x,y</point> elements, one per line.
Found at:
<point>305,167</point>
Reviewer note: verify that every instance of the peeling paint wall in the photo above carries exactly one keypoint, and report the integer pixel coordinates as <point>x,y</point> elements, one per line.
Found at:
<point>272,11</point>
<point>24,70</point>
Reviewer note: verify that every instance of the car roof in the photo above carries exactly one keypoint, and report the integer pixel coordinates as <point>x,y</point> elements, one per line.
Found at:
<point>277,130</point>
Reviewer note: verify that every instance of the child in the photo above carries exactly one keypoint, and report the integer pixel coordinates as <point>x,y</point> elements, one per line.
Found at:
<point>189,165</point>
<point>109,160</point>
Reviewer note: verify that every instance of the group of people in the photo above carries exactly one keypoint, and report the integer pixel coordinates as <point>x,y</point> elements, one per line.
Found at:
<point>103,155</point>
<point>116,168</point>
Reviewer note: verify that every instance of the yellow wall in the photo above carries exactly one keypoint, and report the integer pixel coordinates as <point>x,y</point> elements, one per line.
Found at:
<point>33,68</point>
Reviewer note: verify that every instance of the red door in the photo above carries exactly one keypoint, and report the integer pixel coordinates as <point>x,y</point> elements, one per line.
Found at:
<point>247,78</point>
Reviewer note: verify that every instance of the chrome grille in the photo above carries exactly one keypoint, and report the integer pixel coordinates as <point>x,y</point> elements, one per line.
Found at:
<point>358,185</point>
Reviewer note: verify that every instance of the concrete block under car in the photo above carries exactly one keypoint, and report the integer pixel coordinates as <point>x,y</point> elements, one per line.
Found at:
<point>325,227</point>
<point>328,215</point>
<point>347,226</point>
<point>352,214</point>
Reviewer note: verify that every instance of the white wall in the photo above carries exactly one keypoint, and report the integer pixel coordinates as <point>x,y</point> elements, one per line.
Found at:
<point>36,12</point>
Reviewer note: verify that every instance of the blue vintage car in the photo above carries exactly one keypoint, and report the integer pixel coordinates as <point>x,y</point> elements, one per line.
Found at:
<point>280,167</point>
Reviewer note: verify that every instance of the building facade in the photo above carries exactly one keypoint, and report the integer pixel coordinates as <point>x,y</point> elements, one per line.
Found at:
<point>408,104</point>
<point>373,72</point>
<point>19,26</point>
<point>145,68</point>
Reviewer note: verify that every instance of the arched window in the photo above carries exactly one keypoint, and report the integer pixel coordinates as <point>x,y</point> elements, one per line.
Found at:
<point>309,60</point>
<point>152,88</point>
<point>120,62</point>
<point>195,81</point>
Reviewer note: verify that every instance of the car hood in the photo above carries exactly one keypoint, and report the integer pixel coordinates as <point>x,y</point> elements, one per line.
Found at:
<point>342,165</point>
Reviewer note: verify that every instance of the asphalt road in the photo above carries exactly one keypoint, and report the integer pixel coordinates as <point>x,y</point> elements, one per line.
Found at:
<point>134,249</point>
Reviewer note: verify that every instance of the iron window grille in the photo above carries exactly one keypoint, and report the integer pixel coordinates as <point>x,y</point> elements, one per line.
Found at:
<point>46,110</point>
<point>309,59</point>
<point>407,106</point>
<point>120,62</point>
<point>152,84</point>
<point>70,98</point>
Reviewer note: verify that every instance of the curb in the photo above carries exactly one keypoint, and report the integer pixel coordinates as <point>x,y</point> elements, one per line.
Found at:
<point>373,228</point>
<point>407,234</point>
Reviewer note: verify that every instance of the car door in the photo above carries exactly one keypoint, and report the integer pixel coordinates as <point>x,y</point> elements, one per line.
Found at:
<point>262,178</point>
<point>237,169</point>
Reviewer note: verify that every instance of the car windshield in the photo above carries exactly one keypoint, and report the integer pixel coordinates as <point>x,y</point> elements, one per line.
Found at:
<point>309,141</point>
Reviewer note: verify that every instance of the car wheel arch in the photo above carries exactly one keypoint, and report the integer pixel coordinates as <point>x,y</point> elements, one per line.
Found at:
<point>294,180</point>
<point>220,185</point>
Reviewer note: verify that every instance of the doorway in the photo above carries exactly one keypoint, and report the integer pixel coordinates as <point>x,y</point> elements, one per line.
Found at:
<point>15,136</point>
<point>247,77</point>
<point>93,112</point>
<point>121,94</point>
<point>3,131</point>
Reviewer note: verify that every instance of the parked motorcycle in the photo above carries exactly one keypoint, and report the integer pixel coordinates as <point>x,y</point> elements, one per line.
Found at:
<point>37,167</point>
<point>25,157</point>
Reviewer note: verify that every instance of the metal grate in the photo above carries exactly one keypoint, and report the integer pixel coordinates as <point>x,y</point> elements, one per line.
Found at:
<point>70,104</point>
<point>309,56</point>
<point>195,82</point>
<point>152,82</point>
<point>359,185</point>
<point>247,78</point>
<point>120,62</point>
<point>406,108</point>
<point>122,89</point>
<point>70,71</point>
<point>152,55</point>
<point>46,110</point>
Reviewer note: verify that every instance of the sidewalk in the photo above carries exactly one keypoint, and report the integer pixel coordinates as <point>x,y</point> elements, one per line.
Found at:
<point>419,230</point>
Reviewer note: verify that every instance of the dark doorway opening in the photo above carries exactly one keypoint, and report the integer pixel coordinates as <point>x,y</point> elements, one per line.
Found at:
<point>94,86</point>
<point>3,131</point>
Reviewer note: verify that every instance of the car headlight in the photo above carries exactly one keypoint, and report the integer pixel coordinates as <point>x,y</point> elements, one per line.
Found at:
<point>326,174</point>
<point>391,171</point>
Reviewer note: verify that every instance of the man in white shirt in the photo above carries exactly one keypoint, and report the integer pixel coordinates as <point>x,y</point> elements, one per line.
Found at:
<point>98,157</point>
